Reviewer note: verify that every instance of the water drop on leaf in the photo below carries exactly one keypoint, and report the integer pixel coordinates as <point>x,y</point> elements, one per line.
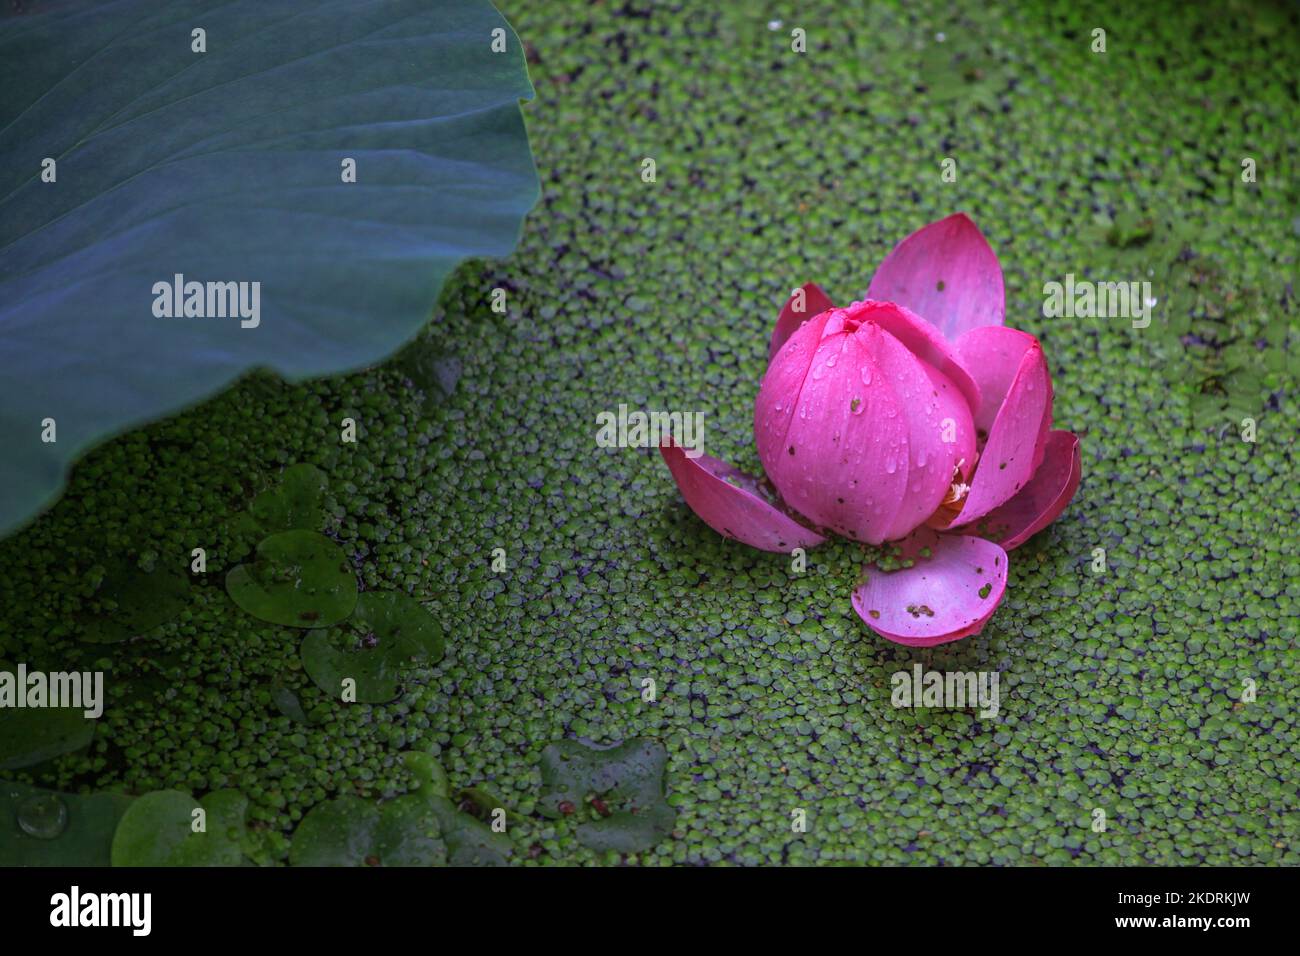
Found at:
<point>43,815</point>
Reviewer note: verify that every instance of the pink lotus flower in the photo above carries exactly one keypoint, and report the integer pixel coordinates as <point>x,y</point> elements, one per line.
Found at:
<point>915,417</point>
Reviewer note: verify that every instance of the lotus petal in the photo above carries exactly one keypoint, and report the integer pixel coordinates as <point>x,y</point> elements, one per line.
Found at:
<point>992,354</point>
<point>732,503</point>
<point>923,340</point>
<point>940,432</point>
<point>1039,503</point>
<point>947,274</point>
<point>1018,435</point>
<point>945,596</point>
<point>835,444</point>
<point>815,302</point>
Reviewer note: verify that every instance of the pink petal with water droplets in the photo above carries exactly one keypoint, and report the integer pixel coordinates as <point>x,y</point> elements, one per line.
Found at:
<point>815,302</point>
<point>788,368</point>
<point>923,340</point>
<point>1039,503</point>
<point>945,597</point>
<point>738,510</point>
<point>934,410</point>
<point>835,442</point>
<point>1018,436</point>
<point>951,253</point>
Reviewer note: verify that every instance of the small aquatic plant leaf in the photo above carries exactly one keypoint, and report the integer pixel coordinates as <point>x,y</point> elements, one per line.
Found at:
<point>298,578</point>
<point>618,792</point>
<point>376,647</point>
<point>349,831</point>
<point>296,501</point>
<point>164,828</point>
<point>29,736</point>
<point>470,841</point>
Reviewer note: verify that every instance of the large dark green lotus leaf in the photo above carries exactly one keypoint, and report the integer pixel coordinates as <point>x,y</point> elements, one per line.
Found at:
<point>349,831</point>
<point>158,830</point>
<point>298,578</point>
<point>226,166</point>
<point>44,828</point>
<point>29,736</point>
<point>376,646</point>
<point>297,501</point>
<point>130,602</point>
<point>618,791</point>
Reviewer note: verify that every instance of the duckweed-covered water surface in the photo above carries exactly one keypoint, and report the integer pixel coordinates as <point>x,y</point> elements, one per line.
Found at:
<point>474,636</point>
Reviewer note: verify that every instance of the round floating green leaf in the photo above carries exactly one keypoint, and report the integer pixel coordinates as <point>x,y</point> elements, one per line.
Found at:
<point>132,602</point>
<point>350,831</point>
<point>297,501</point>
<point>44,828</point>
<point>29,736</point>
<point>298,578</point>
<point>387,633</point>
<point>618,791</point>
<point>158,830</point>
<point>346,161</point>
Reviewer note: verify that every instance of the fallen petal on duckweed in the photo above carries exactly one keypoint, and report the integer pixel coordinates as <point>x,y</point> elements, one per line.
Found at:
<point>943,597</point>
